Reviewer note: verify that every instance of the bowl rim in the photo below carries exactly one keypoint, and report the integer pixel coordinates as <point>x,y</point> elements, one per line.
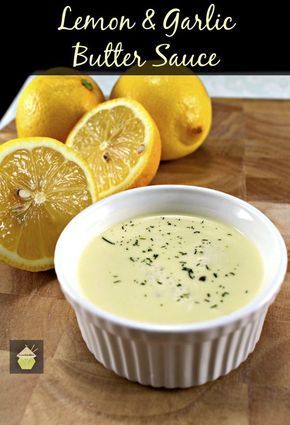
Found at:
<point>263,299</point>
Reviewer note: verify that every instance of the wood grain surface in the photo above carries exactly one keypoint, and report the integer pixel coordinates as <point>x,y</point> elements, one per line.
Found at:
<point>248,155</point>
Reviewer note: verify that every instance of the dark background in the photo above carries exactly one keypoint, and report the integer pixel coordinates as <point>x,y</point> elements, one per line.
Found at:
<point>31,42</point>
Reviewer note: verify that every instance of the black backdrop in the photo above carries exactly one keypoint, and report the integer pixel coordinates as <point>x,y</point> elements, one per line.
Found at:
<point>30,40</point>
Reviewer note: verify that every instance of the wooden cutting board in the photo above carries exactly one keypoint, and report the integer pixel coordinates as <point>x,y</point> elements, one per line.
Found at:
<point>248,155</point>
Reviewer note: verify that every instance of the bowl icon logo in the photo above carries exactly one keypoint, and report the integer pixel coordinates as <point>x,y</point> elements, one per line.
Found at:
<point>26,358</point>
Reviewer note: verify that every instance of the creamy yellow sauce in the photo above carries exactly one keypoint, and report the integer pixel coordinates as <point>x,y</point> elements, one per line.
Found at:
<point>170,269</point>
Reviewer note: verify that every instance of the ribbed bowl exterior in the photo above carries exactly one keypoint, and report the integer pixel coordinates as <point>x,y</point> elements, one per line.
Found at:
<point>171,356</point>
<point>170,360</point>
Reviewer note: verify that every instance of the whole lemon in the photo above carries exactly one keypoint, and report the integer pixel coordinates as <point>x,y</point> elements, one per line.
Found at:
<point>179,104</point>
<point>50,105</point>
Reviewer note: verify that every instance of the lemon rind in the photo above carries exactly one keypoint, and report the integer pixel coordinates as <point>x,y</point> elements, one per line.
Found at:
<point>15,260</point>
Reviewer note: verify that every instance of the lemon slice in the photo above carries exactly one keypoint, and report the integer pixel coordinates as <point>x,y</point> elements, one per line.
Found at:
<point>43,184</point>
<point>121,144</point>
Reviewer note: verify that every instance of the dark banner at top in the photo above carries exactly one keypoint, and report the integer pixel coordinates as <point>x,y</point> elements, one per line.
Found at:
<point>146,37</point>
<point>204,36</point>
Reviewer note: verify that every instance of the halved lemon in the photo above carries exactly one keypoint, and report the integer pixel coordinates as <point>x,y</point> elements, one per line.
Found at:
<point>121,144</point>
<point>43,184</point>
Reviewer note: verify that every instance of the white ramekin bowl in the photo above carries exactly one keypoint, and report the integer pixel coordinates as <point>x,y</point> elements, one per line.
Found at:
<point>171,356</point>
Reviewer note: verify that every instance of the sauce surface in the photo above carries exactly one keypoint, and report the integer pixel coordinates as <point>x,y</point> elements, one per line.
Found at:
<point>170,269</point>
